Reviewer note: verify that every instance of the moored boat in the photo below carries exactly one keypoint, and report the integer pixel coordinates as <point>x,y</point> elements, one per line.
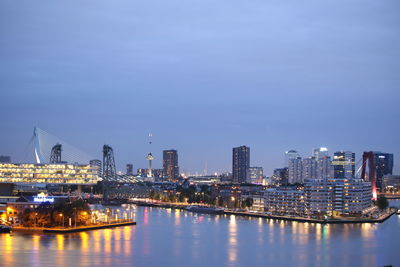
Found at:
<point>5,228</point>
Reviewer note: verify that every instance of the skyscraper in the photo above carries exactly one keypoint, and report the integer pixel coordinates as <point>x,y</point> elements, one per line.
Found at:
<point>170,164</point>
<point>295,170</point>
<point>383,165</point>
<point>309,168</point>
<point>291,154</point>
<point>343,164</point>
<point>240,164</point>
<point>324,166</point>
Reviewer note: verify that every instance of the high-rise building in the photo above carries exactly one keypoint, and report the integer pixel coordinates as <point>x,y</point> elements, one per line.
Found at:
<point>295,170</point>
<point>343,164</point>
<point>255,175</point>
<point>170,164</point>
<point>5,159</point>
<point>240,164</point>
<point>291,154</point>
<point>383,165</point>
<point>129,169</point>
<point>309,168</point>
<point>320,152</point>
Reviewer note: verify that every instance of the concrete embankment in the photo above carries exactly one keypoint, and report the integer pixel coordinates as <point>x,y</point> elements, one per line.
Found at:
<point>74,229</point>
<point>343,220</point>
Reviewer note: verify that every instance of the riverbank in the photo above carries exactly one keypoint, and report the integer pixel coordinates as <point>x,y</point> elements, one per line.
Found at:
<point>72,230</point>
<point>344,220</point>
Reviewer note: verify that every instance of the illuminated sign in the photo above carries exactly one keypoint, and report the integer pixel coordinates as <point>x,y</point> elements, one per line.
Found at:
<point>43,198</point>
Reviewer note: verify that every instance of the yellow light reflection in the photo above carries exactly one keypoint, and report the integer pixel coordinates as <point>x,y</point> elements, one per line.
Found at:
<point>84,241</point>
<point>232,243</point>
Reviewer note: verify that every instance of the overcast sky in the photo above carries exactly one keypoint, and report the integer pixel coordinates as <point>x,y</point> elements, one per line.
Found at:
<point>202,76</point>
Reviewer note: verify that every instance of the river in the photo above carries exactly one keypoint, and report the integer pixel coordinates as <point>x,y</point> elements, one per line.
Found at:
<point>165,237</point>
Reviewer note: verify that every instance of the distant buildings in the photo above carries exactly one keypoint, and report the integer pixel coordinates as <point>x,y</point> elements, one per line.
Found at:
<point>129,169</point>
<point>343,164</point>
<point>309,168</point>
<point>255,175</point>
<point>384,166</point>
<point>291,154</point>
<point>280,176</point>
<point>170,165</point>
<point>240,164</point>
<point>295,170</point>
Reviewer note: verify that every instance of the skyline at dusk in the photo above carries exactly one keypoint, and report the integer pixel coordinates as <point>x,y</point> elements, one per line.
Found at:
<point>202,77</point>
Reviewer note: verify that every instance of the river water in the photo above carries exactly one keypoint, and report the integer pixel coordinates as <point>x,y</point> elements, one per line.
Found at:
<point>165,237</point>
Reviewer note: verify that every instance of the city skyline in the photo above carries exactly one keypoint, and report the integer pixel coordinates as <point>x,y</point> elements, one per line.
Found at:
<point>211,77</point>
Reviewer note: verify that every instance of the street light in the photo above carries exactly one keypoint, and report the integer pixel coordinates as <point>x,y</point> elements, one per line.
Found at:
<point>62,218</point>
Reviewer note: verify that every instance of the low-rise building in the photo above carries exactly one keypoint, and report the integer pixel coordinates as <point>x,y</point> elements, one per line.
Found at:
<point>284,201</point>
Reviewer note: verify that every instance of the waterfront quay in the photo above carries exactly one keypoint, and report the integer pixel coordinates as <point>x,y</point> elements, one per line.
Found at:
<point>383,216</point>
<point>61,230</point>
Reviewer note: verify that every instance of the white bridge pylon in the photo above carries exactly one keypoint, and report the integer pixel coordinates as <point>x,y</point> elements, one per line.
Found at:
<point>44,142</point>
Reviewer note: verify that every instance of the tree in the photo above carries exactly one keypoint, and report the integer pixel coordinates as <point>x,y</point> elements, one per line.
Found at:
<point>248,202</point>
<point>382,203</point>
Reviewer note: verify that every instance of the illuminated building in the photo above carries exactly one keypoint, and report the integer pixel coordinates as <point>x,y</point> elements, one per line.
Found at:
<point>255,175</point>
<point>342,196</point>
<point>284,200</point>
<point>384,166</point>
<point>295,170</point>
<point>280,176</point>
<point>291,154</point>
<point>170,164</point>
<point>28,173</point>
<point>308,168</point>
<point>343,164</point>
<point>240,164</point>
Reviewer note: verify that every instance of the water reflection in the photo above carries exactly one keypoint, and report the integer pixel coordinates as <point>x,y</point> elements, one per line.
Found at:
<point>174,239</point>
<point>232,243</point>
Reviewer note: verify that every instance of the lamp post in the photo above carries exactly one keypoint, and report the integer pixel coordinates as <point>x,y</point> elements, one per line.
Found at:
<point>62,218</point>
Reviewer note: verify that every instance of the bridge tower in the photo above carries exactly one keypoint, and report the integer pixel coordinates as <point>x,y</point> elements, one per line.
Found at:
<point>369,156</point>
<point>109,170</point>
<point>55,156</point>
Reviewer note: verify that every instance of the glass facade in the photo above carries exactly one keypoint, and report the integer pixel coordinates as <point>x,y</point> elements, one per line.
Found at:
<point>28,173</point>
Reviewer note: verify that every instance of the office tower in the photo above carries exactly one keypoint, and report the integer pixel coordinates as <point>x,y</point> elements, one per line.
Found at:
<point>343,164</point>
<point>320,152</point>
<point>295,170</point>
<point>240,163</point>
<point>309,168</point>
<point>255,175</point>
<point>383,165</point>
<point>5,159</point>
<point>129,169</point>
<point>324,167</point>
<point>170,164</point>
<point>291,154</point>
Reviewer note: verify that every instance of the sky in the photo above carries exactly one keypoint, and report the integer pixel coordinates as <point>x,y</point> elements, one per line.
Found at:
<point>203,77</point>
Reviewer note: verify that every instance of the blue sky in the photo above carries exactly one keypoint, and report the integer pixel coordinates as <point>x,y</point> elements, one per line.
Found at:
<point>202,76</point>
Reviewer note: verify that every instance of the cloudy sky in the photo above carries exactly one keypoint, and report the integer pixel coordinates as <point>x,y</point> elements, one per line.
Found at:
<point>202,76</point>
